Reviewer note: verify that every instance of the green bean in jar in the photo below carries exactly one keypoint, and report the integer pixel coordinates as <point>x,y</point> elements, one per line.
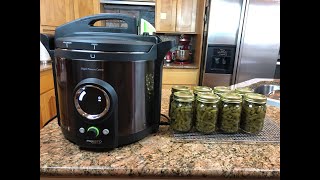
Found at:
<point>253,113</point>
<point>230,112</point>
<point>207,113</point>
<point>182,111</point>
<point>173,90</point>
<point>243,90</point>
<point>218,90</point>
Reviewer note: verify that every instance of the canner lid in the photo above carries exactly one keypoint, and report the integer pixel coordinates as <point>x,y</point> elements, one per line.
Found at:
<point>104,43</point>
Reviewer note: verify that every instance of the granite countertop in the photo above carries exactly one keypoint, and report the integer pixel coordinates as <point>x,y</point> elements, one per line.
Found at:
<point>160,154</point>
<point>45,66</point>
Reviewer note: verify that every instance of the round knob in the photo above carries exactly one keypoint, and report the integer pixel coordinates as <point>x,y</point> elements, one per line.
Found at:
<point>93,132</point>
<point>91,102</point>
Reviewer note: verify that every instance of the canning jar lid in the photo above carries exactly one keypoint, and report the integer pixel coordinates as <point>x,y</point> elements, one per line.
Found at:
<point>222,89</point>
<point>255,98</point>
<point>208,98</point>
<point>231,97</point>
<point>184,96</point>
<point>179,88</point>
<point>243,90</point>
<point>202,89</point>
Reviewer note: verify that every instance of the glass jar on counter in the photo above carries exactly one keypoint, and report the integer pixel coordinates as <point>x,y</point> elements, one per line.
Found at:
<point>243,90</point>
<point>206,113</point>
<point>218,90</point>
<point>229,112</point>
<point>176,89</point>
<point>253,113</point>
<point>182,111</point>
<point>201,89</point>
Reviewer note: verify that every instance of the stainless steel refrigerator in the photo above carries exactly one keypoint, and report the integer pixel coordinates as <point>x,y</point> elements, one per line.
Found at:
<point>242,41</point>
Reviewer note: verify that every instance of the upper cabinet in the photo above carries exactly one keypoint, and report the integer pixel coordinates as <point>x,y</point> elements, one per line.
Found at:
<point>58,12</point>
<point>176,16</point>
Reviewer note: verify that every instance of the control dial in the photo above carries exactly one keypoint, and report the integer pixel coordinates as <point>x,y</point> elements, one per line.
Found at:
<point>92,132</point>
<point>91,102</point>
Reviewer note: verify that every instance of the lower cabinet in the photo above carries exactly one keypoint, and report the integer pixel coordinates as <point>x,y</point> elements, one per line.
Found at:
<point>47,98</point>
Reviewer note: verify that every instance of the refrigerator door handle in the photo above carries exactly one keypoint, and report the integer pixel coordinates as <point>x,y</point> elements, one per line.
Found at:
<point>240,38</point>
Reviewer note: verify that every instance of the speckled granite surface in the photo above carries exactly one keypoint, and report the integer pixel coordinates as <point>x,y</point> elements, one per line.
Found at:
<point>159,155</point>
<point>46,66</point>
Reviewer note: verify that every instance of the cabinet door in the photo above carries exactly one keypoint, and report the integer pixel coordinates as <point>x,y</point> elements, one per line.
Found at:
<point>47,107</point>
<point>54,13</point>
<point>166,15</point>
<point>86,7</point>
<point>186,15</point>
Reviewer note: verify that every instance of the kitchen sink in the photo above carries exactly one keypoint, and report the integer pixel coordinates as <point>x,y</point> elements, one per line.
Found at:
<point>271,91</point>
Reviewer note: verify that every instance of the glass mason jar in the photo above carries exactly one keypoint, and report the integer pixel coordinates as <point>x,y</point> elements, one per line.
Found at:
<point>253,113</point>
<point>173,90</point>
<point>243,90</point>
<point>200,90</point>
<point>207,113</point>
<point>229,112</point>
<point>182,111</point>
<point>218,90</point>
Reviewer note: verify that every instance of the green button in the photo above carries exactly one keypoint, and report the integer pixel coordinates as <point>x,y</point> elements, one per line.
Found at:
<point>94,129</point>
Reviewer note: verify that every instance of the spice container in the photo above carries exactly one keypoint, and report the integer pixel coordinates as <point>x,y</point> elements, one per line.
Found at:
<point>253,113</point>
<point>182,111</point>
<point>243,90</point>
<point>173,90</point>
<point>207,113</point>
<point>218,90</point>
<point>230,112</point>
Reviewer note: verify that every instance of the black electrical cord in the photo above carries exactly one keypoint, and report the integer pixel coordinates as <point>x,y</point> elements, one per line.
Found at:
<point>165,123</point>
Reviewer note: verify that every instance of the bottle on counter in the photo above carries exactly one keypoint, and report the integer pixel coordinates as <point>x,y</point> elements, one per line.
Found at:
<point>229,112</point>
<point>182,111</point>
<point>253,113</point>
<point>176,89</point>
<point>218,90</point>
<point>243,90</point>
<point>206,113</point>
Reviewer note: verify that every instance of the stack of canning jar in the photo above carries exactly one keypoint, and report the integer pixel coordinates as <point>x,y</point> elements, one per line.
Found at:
<point>224,111</point>
<point>182,111</point>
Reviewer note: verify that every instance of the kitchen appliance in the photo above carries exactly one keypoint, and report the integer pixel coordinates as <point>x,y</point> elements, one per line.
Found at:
<point>108,82</point>
<point>183,52</point>
<point>242,41</point>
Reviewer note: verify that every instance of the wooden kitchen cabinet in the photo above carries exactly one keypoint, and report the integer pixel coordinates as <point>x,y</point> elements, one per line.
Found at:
<point>47,97</point>
<point>54,13</point>
<point>176,16</point>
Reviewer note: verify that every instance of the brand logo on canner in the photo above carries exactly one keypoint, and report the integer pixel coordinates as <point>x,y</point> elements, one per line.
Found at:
<point>94,141</point>
<point>91,69</point>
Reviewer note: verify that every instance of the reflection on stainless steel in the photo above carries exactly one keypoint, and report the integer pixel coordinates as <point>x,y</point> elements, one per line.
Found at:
<point>252,27</point>
<point>260,41</point>
<point>224,21</point>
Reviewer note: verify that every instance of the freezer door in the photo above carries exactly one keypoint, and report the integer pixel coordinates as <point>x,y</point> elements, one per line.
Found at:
<point>224,21</point>
<point>260,41</point>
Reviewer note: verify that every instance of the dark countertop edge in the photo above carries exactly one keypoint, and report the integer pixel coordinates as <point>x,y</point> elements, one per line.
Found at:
<point>234,173</point>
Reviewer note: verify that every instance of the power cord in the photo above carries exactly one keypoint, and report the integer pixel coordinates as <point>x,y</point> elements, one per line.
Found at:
<point>165,123</point>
